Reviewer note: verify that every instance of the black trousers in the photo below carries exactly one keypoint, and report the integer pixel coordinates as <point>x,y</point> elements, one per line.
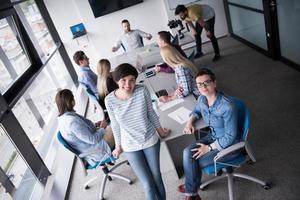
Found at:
<point>211,27</point>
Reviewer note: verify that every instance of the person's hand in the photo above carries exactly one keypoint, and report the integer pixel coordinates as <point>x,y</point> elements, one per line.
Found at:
<point>164,99</point>
<point>200,151</point>
<point>208,34</point>
<point>157,68</point>
<point>149,37</point>
<point>97,124</point>
<point>117,151</point>
<point>101,124</point>
<point>163,132</point>
<point>178,91</point>
<point>114,49</point>
<point>188,129</point>
<point>194,32</point>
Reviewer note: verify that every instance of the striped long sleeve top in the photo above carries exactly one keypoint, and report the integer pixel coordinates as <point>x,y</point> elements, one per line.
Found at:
<point>133,121</point>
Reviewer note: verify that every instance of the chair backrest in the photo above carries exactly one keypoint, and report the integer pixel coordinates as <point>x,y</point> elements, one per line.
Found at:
<point>243,118</point>
<point>175,40</point>
<point>141,39</point>
<point>94,100</point>
<point>65,143</point>
<point>191,56</point>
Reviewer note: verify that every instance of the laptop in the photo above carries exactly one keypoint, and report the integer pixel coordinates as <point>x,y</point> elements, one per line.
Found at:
<point>78,30</point>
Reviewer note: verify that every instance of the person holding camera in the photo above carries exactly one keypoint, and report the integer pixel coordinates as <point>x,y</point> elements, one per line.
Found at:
<point>204,18</point>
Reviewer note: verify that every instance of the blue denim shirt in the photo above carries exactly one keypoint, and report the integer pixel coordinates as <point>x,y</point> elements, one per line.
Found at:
<point>221,117</point>
<point>88,77</point>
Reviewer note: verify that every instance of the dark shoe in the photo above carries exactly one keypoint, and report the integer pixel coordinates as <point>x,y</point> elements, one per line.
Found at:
<point>217,57</point>
<point>198,55</point>
<point>181,188</point>
<point>197,197</point>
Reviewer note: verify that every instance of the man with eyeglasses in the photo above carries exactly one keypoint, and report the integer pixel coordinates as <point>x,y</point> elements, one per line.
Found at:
<point>220,114</point>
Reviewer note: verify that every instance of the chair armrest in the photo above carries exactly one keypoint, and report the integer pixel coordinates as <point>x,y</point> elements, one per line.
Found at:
<point>229,150</point>
<point>82,155</point>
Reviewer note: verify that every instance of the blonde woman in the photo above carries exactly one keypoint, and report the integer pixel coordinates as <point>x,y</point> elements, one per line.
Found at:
<point>184,73</point>
<point>105,82</point>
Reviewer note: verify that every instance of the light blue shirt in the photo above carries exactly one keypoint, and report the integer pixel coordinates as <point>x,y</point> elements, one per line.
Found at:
<point>82,135</point>
<point>89,78</point>
<point>221,117</point>
<point>132,39</point>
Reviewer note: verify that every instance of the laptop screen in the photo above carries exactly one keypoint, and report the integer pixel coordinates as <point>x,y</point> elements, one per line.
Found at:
<point>78,30</point>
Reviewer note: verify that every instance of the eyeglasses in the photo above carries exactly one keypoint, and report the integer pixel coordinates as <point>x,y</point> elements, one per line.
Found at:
<point>204,83</point>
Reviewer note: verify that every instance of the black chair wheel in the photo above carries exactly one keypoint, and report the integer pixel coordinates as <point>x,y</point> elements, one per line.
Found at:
<point>131,182</point>
<point>250,162</point>
<point>87,187</point>
<point>109,178</point>
<point>102,199</point>
<point>266,187</point>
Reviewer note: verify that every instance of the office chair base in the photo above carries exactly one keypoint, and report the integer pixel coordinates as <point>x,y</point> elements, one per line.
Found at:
<point>113,175</point>
<point>230,177</point>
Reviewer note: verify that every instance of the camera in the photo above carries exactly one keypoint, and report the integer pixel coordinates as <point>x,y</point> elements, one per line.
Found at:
<point>177,23</point>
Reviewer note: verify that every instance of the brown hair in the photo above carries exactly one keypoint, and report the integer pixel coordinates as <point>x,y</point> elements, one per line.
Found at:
<point>123,70</point>
<point>64,101</point>
<point>78,55</point>
<point>205,71</point>
<point>165,36</point>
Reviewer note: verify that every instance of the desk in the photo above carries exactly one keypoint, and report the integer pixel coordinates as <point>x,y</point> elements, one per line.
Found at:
<point>172,147</point>
<point>144,56</point>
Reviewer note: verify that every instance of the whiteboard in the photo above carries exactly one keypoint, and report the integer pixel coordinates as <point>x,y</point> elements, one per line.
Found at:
<point>174,3</point>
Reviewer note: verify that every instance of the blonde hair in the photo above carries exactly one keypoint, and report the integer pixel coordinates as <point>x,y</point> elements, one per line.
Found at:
<point>103,69</point>
<point>173,58</point>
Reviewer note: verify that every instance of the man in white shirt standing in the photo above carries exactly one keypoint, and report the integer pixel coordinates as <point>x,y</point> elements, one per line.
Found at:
<point>131,39</point>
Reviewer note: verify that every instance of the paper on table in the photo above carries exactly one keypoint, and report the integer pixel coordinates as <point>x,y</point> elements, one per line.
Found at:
<point>181,115</point>
<point>165,106</point>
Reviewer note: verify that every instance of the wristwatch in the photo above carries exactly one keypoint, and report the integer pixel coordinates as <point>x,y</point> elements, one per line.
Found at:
<point>209,147</point>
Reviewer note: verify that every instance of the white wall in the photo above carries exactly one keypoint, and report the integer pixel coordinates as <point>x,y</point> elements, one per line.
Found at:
<point>221,28</point>
<point>149,16</point>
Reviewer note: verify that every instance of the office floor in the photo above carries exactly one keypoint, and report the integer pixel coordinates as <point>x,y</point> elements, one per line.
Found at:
<point>271,91</point>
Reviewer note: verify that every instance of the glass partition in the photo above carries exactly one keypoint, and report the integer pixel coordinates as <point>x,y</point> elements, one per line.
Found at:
<point>248,25</point>
<point>289,30</point>
<point>14,60</point>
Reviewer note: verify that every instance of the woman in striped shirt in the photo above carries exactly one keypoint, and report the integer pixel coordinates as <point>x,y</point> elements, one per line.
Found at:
<point>134,124</point>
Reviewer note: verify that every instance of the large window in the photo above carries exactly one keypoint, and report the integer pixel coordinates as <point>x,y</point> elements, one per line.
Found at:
<point>15,168</point>
<point>32,70</point>
<point>38,27</point>
<point>36,110</point>
<point>14,60</point>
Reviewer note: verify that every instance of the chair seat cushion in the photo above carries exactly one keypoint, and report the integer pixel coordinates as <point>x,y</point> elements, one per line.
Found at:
<point>103,162</point>
<point>237,161</point>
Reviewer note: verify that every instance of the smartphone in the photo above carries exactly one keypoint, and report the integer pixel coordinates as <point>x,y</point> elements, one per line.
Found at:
<point>150,73</point>
<point>161,93</point>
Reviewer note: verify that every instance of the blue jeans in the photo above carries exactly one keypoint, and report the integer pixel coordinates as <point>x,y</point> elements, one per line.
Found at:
<point>193,168</point>
<point>145,164</point>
